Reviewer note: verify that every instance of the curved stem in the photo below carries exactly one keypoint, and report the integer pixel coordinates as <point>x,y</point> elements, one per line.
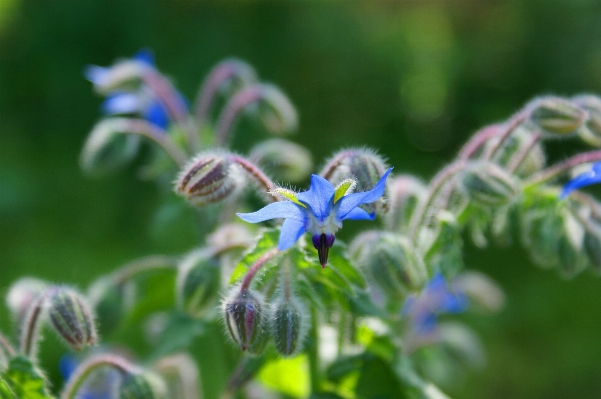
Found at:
<point>478,140</point>
<point>256,173</point>
<point>562,167</point>
<point>31,325</point>
<point>436,185</point>
<point>152,132</point>
<point>232,111</point>
<point>518,158</point>
<point>252,271</point>
<point>6,346</point>
<point>174,102</point>
<point>513,123</point>
<point>327,170</point>
<point>141,266</point>
<point>89,366</point>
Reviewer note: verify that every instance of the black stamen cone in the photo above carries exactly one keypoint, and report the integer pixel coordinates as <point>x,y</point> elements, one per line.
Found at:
<point>323,243</point>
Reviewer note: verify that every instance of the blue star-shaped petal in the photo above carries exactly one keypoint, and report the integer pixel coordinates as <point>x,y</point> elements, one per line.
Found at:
<point>593,176</point>
<point>319,210</point>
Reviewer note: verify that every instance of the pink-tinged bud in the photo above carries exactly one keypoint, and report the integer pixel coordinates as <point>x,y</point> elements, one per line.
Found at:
<point>488,183</point>
<point>21,295</point>
<point>71,317</point>
<point>363,165</point>
<point>198,283</point>
<point>557,116</point>
<point>207,179</point>
<point>243,317</point>
<point>289,325</point>
<point>591,133</point>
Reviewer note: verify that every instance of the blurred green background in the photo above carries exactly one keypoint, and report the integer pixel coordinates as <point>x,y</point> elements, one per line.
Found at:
<point>412,78</point>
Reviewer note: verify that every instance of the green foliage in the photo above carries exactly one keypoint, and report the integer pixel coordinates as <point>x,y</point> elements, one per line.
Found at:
<point>23,380</point>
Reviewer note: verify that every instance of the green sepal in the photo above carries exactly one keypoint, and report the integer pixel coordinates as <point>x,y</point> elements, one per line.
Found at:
<point>23,380</point>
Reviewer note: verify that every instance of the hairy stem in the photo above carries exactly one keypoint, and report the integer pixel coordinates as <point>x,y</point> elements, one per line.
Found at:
<point>252,271</point>
<point>510,127</point>
<point>255,173</point>
<point>562,167</point>
<point>141,266</point>
<point>313,354</point>
<point>31,325</point>
<point>478,140</point>
<point>91,365</point>
<point>518,158</point>
<point>232,111</point>
<point>6,346</point>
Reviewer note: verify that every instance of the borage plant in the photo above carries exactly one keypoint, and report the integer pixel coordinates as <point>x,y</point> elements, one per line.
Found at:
<point>305,317</point>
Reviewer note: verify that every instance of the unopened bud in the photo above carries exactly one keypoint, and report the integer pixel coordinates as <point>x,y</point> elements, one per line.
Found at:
<point>207,179</point>
<point>198,283</point>
<point>557,116</point>
<point>144,385</point>
<point>488,184</point>
<point>541,230</point>
<point>107,148</point>
<point>289,324</point>
<point>71,317</point>
<point>243,317</point>
<point>21,294</point>
<point>275,111</point>
<point>363,165</point>
<point>404,194</point>
<point>591,133</point>
<point>572,259</point>
<point>395,266</point>
<point>283,159</point>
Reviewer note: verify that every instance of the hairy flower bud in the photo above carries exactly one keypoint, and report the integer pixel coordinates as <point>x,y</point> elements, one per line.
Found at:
<point>488,184</point>
<point>404,194</point>
<point>198,283</point>
<point>243,317</point>
<point>283,159</point>
<point>208,178</point>
<point>557,116</point>
<point>289,325</point>
<point>591,133</point>
<point>143,385</point>
<point>363,165</point>
<point>275,111</point>
<point>107,149</point>
<point>21,294</point>
<point>71,317</point>
<point>395,266</point>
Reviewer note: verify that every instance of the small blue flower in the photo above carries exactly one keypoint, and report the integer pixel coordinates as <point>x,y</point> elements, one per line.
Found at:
<point>593,176</point>
<point>319,210</point>
<point>437,297</point>
<point>97,387</point>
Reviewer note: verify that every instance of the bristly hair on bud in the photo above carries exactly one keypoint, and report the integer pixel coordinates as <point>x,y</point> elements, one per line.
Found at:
<point>488,183</point>
<point>208,178</point>
<point>244,319</point>
<point>557,116</point>
<point>289,325</point>
<point>363,165</point>
<point>142,385</point>
<point>591,132</point>
<point>71,317</point>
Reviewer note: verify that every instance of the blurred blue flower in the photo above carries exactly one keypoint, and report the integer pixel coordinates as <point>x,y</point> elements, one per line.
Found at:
<point>593,176</point>
<point>437,297</point>
<point>319,210</point>
<point>143,101</point>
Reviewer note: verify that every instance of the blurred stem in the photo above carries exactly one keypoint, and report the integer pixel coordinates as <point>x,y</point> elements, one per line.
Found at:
<point>89,366</point>
<point>6,346</point>
<point>313,354</point>
<point>478,140</point>
<point>327,170</point>
<point>518,158</point>
<point>562,167</point>
<point>140,266</point>
<point>175,105</point>
<point>233,109</point>
<point>31,325</point>
<point>438,182</point>
<point>504,135</point>
<point>256,173</point>
<point>154,133</point>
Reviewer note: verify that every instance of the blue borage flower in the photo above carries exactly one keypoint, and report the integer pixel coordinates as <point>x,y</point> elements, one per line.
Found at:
<point>437,297</point>
<point>142,102</point>
<point>593,176</point>
<point>319,210</point>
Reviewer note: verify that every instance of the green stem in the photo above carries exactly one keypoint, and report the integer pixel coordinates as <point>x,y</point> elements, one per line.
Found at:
<point>255,268</point>
<point>141,266</point>
<point>31,326</point>
<point>313,354</point>
<point>518,158</point>
<point>562,167</point>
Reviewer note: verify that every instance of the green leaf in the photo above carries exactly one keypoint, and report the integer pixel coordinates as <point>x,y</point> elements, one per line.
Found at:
<point>289,376</point>
<point>5,391</point>
<point>343,366</point>
<point>339,262</point>
<point>24,380</point>
<point>268,240</point>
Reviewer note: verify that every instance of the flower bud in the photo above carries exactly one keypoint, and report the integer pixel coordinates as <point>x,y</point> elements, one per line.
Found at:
<point>243,317</point>
<point>198,283</point>
<point>107,148</point>
<point>144,385</point>
<point>283,159</point>
<point>275,111</point>
<point>289,325</point>
<point>207,179</point>
<point>557,116</point>
<point>404,194</point>
<point>365,166</point>
<point>71,317</point>
<point>591,133</point>
<point>395,266</point>
<point>21,294</point>
<point>488,184</point>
